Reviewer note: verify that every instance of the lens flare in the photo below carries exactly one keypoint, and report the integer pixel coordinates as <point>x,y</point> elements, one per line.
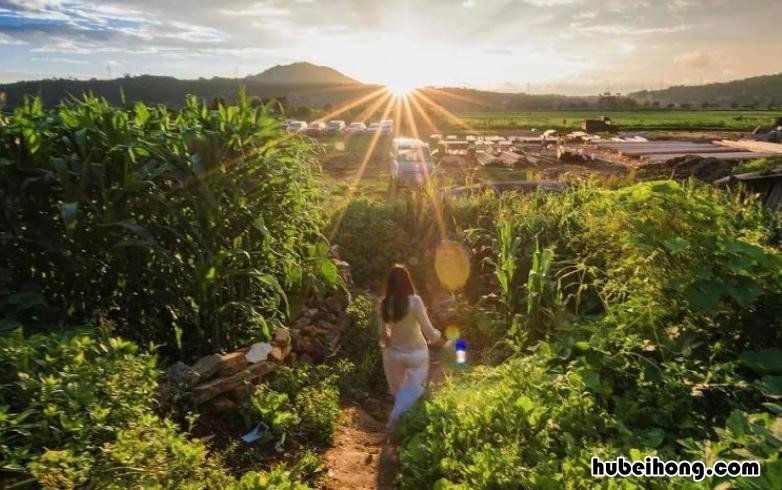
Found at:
<point>461,352</point>
<point>452,264</point>
<point>452,332</point>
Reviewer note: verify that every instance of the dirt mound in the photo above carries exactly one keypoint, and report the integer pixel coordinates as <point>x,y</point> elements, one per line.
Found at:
<point>706,169</point>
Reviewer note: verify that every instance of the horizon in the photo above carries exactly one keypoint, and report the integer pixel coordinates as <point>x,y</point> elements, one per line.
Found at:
<point>569,47</point>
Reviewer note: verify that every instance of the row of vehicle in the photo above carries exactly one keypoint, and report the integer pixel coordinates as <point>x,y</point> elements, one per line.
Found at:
<point>318,128</point>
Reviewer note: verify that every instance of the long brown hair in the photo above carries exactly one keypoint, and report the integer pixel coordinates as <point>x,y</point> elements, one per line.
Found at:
<point>399,287</point>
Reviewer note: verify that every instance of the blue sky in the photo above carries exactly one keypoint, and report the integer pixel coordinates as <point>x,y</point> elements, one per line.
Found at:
<point>568,46</point>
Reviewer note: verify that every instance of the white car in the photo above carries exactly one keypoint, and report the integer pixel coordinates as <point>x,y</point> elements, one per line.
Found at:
<point>316,128</point>
<point>296,126</point>
<point>356,128</point>
<point>411,163</point>
<point>335,127</point>
<point>373,128</point>
<point>386,126</point>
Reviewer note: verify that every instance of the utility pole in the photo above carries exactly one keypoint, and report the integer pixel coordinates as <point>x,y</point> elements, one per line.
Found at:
<point>108,69</point>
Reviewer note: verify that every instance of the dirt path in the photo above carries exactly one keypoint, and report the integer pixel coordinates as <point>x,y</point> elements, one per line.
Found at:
<point>363,457</point>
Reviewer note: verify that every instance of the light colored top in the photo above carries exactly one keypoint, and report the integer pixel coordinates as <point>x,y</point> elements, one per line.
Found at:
<point>413,332</point>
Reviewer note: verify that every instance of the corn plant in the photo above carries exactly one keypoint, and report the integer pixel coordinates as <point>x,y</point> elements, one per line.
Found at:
<point>188,229</point>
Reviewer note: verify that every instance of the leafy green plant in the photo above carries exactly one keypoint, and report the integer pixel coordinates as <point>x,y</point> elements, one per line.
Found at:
<point>78,411</point>
<point>301,402</point>
<point>188,229</point>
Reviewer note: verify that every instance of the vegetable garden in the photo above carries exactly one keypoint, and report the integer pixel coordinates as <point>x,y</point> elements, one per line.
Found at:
<point>614,319</point>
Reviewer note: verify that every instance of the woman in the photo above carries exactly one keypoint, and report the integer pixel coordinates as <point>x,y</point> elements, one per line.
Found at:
<point>405,333</point>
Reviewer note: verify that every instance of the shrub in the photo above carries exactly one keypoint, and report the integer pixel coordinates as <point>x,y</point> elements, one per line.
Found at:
<point>185,228</point>
<point>77,411</point>
<point>679,280</point>
<point>301,402</point>
<point>360,348</point>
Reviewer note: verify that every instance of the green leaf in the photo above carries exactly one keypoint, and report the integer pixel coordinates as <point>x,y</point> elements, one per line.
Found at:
<point>767,361</point>
<point>329,271</point>
<point>178,336</point>
<point>68,213</point>
<point>771,386</point>
<point>525,404</point>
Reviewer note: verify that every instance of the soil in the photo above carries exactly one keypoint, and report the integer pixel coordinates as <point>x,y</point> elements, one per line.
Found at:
<point>364,456</point>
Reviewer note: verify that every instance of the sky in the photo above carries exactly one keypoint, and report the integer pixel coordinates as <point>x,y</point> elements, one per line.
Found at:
<point>575,47</point>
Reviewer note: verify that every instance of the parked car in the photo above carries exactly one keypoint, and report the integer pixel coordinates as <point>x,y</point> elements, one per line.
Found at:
<point>316,128</point>
<point>386,126</point>
<point>335,127</point>
<point>356,128</point>
<point>296,126</point>
<point>373,128</point>
<point>411,163</point>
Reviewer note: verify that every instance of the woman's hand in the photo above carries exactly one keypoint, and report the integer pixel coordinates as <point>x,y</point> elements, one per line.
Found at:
<point>441,342</point>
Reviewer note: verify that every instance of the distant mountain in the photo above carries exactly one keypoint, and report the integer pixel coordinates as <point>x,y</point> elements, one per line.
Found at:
<point>301,73</point>
<point>759,92</point>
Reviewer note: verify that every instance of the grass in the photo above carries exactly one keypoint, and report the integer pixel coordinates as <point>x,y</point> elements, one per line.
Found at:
<point>658,120</point>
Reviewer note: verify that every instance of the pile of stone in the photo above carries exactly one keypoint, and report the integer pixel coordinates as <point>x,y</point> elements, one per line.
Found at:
<point>222,382</point>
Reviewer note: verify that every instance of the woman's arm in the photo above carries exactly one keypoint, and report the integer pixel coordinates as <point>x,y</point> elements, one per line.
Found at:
<point>433,336</point>
<point>381,329</point>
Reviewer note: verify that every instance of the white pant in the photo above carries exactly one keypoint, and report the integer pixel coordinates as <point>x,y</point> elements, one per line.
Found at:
<point>406,373</point>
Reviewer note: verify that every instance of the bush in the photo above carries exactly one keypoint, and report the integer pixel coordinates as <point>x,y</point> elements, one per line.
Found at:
<point>185,228</point>
<point>281,477</point>
<point>679,280</point>
<point>360,348</point>
<point>77,411</point>
<point>300,402</point>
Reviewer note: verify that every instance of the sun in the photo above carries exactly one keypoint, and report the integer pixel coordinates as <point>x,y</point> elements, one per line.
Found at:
<point>400,88</point>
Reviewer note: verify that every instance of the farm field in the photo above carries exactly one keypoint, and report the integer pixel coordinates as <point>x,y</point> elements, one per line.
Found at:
<point>656,120</point>
<point>617,317</point>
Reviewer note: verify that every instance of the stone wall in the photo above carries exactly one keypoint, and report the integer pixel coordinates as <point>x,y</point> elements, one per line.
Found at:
<point>221,382</point>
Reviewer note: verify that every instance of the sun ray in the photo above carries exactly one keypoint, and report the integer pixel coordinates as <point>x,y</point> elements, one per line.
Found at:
<point>454,96</point>
<point>451,117</point>
<point>427,178</point>
<point>351,104</point>
<point>417,106</point>
<point>360,172</point>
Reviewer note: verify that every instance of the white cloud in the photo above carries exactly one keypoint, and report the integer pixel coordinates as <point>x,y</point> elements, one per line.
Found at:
<point>7,40</point>
<point>693,59</point>
<point>260,9</point>
<point>468,4</point>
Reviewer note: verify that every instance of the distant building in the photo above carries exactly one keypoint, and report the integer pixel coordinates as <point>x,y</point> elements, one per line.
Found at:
<point>766,183</point>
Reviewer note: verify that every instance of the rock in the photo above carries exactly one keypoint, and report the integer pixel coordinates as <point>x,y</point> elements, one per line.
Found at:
<point>334,251</point>
<point>206,391</point>
<point>222,404</point>
<point>308,344</point>
<point>207,366</point>
<point>342,324</point>
<point>241,393</point>
<point>257,371</point>
<point>279,354</point>
<point>301,321</point>
<point>232,363</point>
<point>258,352</point>
<point>326,325</point>
<point>311,313</point>
<point>282,337</point>
<point>182,374</point>
<point>312,330</point>
<point>338,301</point>
<point>305,359</point>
